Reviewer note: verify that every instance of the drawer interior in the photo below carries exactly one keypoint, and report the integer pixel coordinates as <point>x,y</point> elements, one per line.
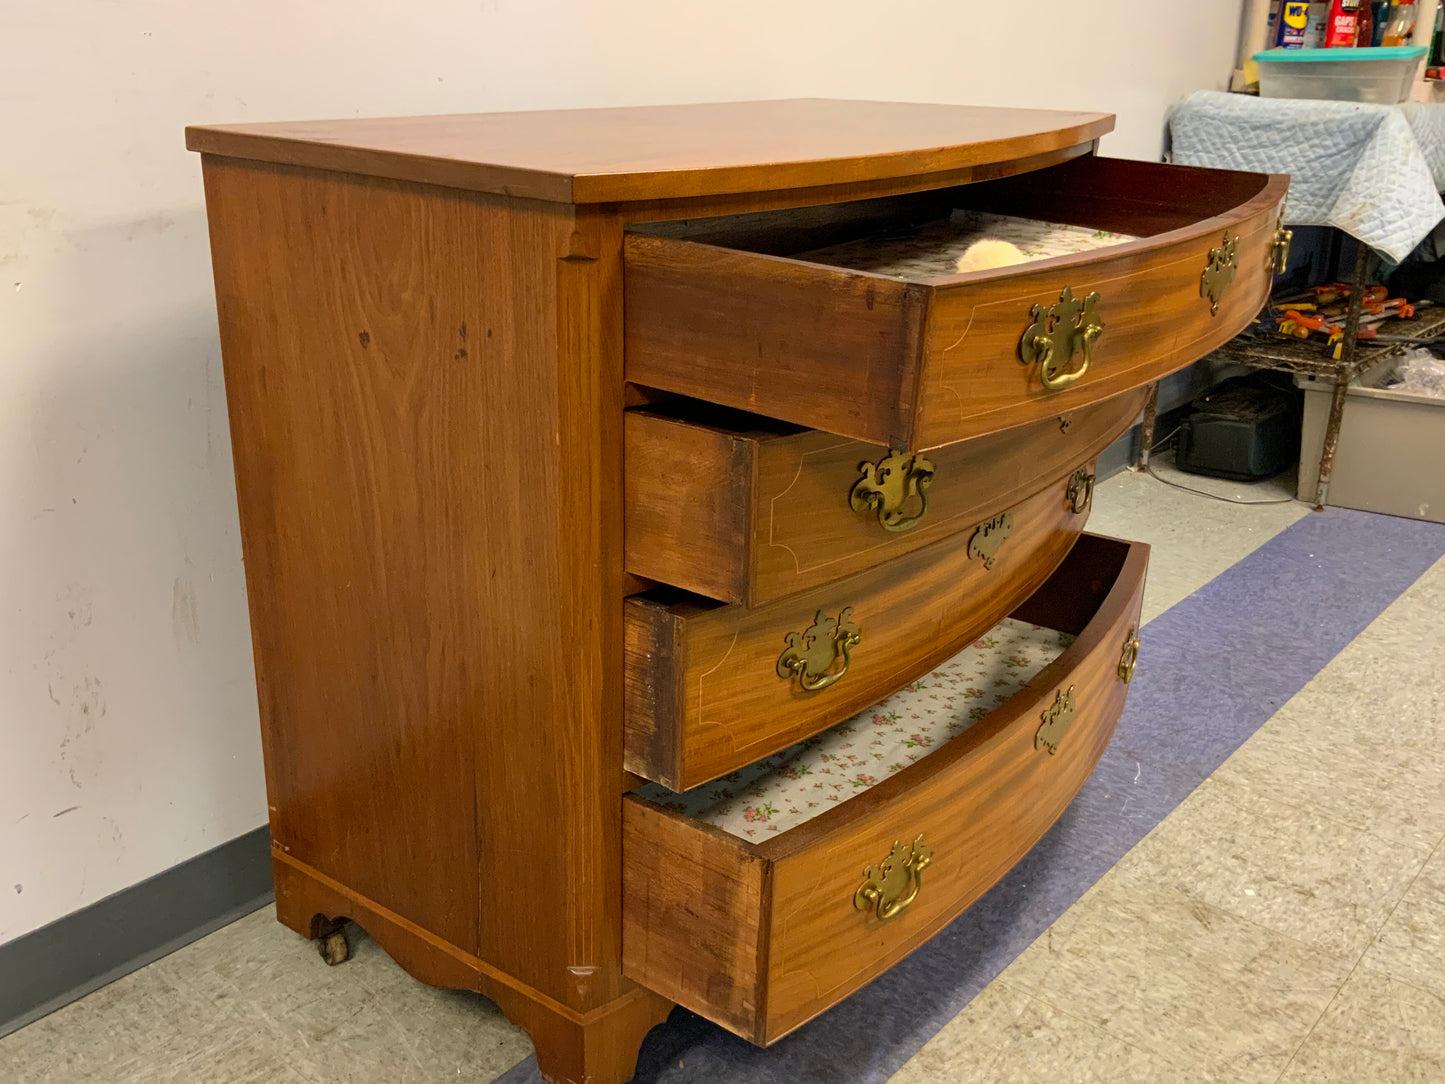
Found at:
<point>789,788</point>
<point>1055,213</point>
<point>845,761</point>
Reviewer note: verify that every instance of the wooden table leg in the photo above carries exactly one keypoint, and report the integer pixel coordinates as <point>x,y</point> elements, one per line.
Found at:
<point>1146,427</point>
<point>1342,374</point>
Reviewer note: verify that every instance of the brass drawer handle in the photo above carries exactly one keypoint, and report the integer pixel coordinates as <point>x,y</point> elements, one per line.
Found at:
<point>814,655</point>
<point>892,884</point>
<point>988,538</point>
<point>1219,273</point>
<point>888,485</point>
<point>1058,332</point>
<point>1129,656</point>
<point>1080,493</point>
<point>1279,251</point>
<point>1057,718</point>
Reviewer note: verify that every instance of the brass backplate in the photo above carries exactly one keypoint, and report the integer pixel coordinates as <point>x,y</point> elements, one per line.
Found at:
<point>989,536</point>
<point>1056,720</point>
<point>820,655</point>
<point>1219,273</point>
<point>1080,493</point>
<point>1129,656</point>
<point>891,885</point>
<point>893,484</point>
<point>1059,331</point>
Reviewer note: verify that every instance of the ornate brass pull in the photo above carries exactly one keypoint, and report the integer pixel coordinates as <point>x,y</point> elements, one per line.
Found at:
<point>892,884</point>
<point>888,485</point>
<point>989,537</point>
<point>1279,251</point>
<point>1220,272</point>
<point>1056,720</point>
<point>1129,656</point>
<point>1057,333</point>
<point>814,655</point>
<point>1080,493</point>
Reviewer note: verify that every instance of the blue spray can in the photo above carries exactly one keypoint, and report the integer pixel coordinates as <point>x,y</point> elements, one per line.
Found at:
<point>1290,24</point>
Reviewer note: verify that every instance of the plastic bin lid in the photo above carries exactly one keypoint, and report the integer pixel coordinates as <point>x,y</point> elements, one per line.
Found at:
<point>1376,52</point>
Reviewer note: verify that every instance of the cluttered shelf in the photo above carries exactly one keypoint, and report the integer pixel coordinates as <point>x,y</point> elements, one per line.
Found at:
<point>1266,349</point>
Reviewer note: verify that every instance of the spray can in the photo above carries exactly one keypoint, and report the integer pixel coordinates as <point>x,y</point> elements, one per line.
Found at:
<point>1290,24</point>
<point>1343,24</point>
<point>1317,22</point>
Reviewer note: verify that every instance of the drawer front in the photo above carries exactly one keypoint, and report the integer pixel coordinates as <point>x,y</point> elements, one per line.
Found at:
<point>762,937</point>
<point>924,363</point>
<point>720,508</point>
<point>1154,321</point>
<point>711,688</point>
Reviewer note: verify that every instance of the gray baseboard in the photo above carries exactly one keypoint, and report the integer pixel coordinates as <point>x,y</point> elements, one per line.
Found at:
<point>56,964</point>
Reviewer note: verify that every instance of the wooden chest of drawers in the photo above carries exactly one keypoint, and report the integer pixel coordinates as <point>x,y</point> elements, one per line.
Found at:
<point>571,454</point>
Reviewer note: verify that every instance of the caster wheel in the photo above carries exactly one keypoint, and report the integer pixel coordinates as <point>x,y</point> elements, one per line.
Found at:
<point>334,948</point>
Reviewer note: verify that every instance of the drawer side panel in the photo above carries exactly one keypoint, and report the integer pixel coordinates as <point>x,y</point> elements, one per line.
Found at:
<point>693,902</point>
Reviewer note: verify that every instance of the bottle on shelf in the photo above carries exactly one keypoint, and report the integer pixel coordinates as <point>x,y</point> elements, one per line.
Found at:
<point>1380,17</point>
<point>1402,23</point>
<point>1343,24</point>
<point>1318,21</point>
<point>1365,31</point>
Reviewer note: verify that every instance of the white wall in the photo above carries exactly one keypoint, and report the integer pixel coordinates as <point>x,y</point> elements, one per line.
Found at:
<point>128,734</point>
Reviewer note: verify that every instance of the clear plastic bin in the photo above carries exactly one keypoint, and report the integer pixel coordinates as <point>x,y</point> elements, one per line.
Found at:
<point>1381,75</point>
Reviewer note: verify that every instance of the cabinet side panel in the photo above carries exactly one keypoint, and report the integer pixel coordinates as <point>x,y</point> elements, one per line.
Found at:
<point>390,357</point>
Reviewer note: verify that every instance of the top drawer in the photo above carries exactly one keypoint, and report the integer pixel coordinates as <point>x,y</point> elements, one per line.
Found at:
<point>744,311</point>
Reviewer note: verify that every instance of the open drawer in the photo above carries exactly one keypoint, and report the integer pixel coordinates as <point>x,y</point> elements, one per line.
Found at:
<point>744,509</point>
<point>790,315</point>
<point>711,688</point>
<point>760,935</point>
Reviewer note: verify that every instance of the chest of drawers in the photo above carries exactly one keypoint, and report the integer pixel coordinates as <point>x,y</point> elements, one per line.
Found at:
<point>575,451</point>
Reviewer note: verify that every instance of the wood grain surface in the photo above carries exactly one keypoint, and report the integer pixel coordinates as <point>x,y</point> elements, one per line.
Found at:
<point>925,363</point>
<point>662,152</point>
<point>703,693</point>
<point>981,801</point>
<point>426,413</point>
<point>742,509</point>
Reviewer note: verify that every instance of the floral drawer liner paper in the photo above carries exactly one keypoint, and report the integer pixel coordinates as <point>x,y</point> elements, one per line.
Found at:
<point>932,250</point>
<point>788,788</point>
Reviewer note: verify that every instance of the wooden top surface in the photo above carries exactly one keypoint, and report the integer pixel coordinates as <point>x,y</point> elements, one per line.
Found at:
<point>661,152</point>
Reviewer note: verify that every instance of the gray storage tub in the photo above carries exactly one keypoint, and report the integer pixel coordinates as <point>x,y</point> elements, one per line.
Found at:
<point>1391,456</point>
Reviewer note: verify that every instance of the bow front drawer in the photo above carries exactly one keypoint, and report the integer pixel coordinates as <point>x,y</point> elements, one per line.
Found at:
<point>744,509</point>
<point>710,688</point>
<point>853,319</point>
<point>760,930</point>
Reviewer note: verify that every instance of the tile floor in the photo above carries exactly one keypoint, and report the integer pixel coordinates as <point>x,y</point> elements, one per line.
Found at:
<point>1286,922</point>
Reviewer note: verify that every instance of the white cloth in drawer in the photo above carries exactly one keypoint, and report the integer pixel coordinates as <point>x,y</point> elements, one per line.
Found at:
<point>788,788</point>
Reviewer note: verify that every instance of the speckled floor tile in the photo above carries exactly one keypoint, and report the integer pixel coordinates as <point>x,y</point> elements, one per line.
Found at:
<point>254,1004</point>
<point>1411,946</point>
<point>1181,979</point>
<point>1194,538</point>
<point>119,1025</point>
<point>1378,1031</point>
<point>1358,774</point>
<point>1319,880</point>
<point>1007,1037</point>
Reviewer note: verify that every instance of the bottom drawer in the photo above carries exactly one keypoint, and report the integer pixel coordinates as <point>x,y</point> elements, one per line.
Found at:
<point>760,929</point>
